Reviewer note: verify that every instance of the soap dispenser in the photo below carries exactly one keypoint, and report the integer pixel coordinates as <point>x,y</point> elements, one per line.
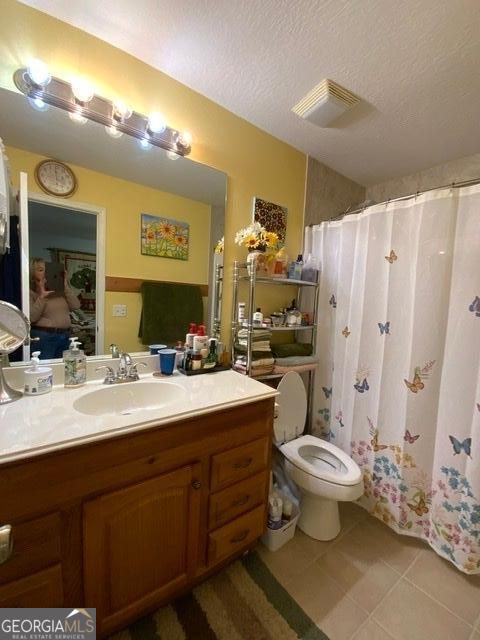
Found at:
<point>38,379</point>
<point>75,363</point>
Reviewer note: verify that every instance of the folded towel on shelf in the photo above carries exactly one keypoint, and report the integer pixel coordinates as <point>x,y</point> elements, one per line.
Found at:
<point>255,354</point>
<point>291,349</point>
<point>257,334</point>
<point>296,361</point>
<point>255,373</point>
<point>256,362</point>
<point>263,345</point>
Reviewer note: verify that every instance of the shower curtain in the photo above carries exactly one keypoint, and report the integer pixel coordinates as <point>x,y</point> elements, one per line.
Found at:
<point>398,385</point>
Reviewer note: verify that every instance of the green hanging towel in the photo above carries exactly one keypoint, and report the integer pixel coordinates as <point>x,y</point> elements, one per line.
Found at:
<point>167,310</point>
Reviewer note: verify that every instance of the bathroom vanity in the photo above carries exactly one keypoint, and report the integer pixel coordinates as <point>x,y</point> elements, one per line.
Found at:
<point>125,512</point>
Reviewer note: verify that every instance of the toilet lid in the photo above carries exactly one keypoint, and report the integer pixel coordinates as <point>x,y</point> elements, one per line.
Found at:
<point>291,410</point>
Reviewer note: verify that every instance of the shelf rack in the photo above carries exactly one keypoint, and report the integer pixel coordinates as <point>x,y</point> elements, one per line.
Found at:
<point>248,273</point>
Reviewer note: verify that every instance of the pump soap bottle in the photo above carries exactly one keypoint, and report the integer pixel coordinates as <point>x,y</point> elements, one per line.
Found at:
<point>38,379</point>
<point>75,363</point>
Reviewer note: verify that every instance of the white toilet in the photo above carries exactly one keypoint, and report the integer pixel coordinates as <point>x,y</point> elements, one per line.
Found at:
<point>324,474</point>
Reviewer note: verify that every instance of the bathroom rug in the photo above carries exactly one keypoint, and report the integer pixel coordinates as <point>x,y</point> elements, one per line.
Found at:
<point>242,602</point>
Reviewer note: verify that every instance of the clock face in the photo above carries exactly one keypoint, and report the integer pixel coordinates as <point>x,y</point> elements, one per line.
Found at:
<point>55,178</point>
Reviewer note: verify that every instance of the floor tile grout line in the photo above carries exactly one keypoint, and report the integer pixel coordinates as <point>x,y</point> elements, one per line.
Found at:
<point>432,597</point>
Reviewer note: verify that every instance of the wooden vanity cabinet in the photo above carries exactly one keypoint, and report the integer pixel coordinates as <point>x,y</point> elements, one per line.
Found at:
<point>128,523</point>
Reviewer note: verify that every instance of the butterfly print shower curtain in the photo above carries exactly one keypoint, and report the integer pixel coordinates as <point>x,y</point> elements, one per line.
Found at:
<point>409,397</point>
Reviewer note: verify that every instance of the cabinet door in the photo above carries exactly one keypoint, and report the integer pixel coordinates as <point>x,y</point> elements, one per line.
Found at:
<point>140,545</point>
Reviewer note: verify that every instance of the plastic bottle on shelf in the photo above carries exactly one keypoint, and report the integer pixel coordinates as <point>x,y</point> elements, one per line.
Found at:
<point>310,269</point>
<point>298,267</point>
<point>241,312</point>
<point>258,317</point>
<point>280,264</point>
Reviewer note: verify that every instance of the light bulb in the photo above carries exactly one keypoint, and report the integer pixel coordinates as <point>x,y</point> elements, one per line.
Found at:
<point>113,132</point>
<point>121,111</point>
<point>156,122</point>
<point>77,117</point>
<point>172,155</point>
<point>38,72</point>
<point>38,104</point>
<point>82,90</point>
<point>144,143</point>
<point>185,139</point>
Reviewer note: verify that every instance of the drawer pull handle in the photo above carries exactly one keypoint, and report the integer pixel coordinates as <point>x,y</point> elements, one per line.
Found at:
<point>196,484</point>
<point>243,464</point>
<point>241,501</point>
<point>241,537</point>
<point>6,543</point>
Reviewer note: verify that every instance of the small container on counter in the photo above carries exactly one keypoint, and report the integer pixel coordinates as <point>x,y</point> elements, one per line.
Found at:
<point>38,379</point>
<point>196,361</point>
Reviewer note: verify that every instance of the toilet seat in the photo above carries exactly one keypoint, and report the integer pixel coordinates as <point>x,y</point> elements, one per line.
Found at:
<point>322,460</point>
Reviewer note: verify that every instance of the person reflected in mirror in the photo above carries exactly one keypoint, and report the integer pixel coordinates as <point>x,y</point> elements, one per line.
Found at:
<point>50,312</point>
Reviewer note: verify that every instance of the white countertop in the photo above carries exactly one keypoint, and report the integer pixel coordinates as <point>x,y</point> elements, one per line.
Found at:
<point>35,425</point>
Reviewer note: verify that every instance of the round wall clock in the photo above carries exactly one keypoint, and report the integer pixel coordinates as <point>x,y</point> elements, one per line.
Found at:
<point>55,178</point>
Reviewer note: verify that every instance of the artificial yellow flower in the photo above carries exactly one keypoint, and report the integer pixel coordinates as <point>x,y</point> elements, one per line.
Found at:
<point>251,241</point>
<point>271,238</point>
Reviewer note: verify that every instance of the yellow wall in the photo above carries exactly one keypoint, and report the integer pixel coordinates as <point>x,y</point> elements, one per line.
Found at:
<point>123,202</point>
<point>257,164</point>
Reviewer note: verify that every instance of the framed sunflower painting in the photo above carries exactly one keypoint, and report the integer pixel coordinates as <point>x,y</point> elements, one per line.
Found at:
<point>164,238</point>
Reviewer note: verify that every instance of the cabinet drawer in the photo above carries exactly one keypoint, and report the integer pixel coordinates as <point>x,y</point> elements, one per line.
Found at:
<point>237,499</point>
<point>36,544</point>
<point>42,589</point>
<point>239,463</point>
<point>231,538</point>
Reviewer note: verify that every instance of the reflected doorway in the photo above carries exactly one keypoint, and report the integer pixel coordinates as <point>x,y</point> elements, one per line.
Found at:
<point>68,237</point>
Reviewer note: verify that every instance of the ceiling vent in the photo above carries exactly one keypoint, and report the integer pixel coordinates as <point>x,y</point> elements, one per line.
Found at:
<point>325,103</point>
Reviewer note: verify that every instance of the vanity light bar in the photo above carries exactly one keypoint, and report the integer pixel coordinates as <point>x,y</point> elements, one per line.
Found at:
<point>58,93</point>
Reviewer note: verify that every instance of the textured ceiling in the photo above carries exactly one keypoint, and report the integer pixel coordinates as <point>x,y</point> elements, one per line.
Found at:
<point>414,63</point>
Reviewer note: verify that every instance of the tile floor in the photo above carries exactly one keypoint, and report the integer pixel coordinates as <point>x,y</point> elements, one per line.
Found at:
<point>373,584</point>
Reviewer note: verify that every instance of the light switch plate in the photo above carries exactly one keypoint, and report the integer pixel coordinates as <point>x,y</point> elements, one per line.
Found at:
<point>119,310</point>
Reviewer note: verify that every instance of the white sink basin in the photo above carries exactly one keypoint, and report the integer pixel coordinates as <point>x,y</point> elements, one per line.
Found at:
<point>129,397</point>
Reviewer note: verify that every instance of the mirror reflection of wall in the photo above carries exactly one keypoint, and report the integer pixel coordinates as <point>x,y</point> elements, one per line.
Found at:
<point>124,181</point>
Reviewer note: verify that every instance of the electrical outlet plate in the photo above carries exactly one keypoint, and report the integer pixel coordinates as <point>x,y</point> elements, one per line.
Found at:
<point>119,310</point>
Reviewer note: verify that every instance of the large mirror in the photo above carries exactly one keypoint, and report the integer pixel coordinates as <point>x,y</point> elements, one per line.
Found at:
<point>112,242</point>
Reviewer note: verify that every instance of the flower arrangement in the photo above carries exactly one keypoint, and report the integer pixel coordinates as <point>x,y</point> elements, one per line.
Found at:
<point>256,237</point>
<point>220,246</point>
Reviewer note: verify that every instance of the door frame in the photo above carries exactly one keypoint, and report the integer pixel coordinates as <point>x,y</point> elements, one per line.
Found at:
<point>100,213</point>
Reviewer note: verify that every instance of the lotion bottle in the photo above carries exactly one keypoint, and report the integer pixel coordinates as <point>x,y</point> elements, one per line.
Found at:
<point>75,363</point>
<point>192,332</point>
<point>200,341</point>
<point>38,379</point>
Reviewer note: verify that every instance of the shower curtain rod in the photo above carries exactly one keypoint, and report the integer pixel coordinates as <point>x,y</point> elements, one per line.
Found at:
<point>451,185</point>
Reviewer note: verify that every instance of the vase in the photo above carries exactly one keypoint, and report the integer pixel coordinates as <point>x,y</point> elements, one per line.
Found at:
<point>253,260</point>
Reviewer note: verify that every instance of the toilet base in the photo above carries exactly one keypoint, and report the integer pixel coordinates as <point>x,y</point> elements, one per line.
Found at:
<point>319,518</point>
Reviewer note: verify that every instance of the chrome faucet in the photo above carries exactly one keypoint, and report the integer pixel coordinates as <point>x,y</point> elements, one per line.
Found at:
<point>127,370</point>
